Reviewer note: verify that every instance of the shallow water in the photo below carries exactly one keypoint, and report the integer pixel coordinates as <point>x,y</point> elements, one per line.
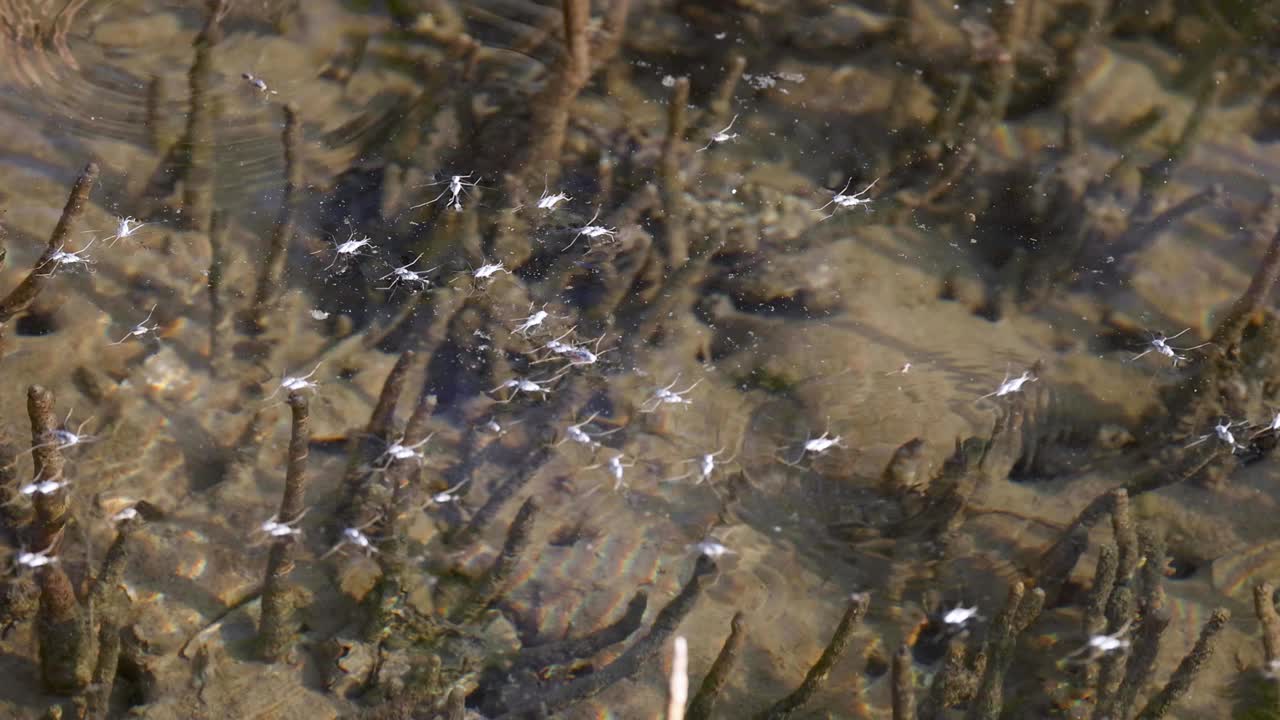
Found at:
<point>850,244</point>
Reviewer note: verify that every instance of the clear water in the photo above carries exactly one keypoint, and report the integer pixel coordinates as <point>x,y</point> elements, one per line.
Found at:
<point>875,222</point>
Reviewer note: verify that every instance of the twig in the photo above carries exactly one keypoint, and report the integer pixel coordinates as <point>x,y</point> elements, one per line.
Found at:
<point>1180,682</point>
<point>62,630</point>
<point>108,602</point>
<point>1126,536</point>
<point>14,515</point>
<point>672,177</point>
<point>393,559</point>
<point>1019,612</point>
<point>817,675</point>
<point>197,142</point>
<point>567,652</point>
<point>1203,395</point>
<point>615,24</point>
<point>1057,555</point>
<point>551,106</point>
<point>542,703</point>
<point>1120,603</point>
<point>248,446</point>
<point>155,99</point>
<point>1094,619</point>
<point>269,282</point>
<point>63,634</point>
<point>111,574</point>
<point>718,676</point>
<point>1143,654</point>
<point>949,684</point>
<point>219,229</point>
<point>1227,336</point>
<point>1157,175</point>
<point>1141,665</point>
<point>51,507</point>
<point>274,632</point>
<point>498,579</point>
<point>22,296</point>
<point>1139,233</point>
<point>722,102</point>
<point>1014,24</point>
<point>456,704</point>
<point>1264,607</point>
<point>104,671</point>
<point>572,397</point>
<point>1119,619</point>
<point>904,692</point>
<point>352,508</point>
<point>383,415</point>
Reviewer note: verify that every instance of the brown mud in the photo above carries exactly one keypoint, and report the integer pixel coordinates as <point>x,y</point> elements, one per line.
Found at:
<point>275,471</point>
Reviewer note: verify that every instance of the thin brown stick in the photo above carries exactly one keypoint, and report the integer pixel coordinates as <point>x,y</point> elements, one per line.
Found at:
<point>615,24</point>
<point>572,397</point>
<point>904,691</point>
<point>269,282</point>
<point>498,579</point>
<point>1020,610</point>
<point>1126,536</point>
<point>948,686</point>
<point>1101,505</point>
<point>1141,665</point>
<point>218,231</point>
<point>111,574</point>
<point>1013,24</point>
<point>104,671</point>
<point>383,415</point>
<point>4,242</point>
<point>14,515</point>
<point>393,559</point>
<point>22,296</point>
<point>1094,619</point>
<point>1264,607</point>
<point>1156,176</point>
<point>817,675</point>
<point>247,448</point>
<point>546,702</point>
<point>63,635</point>
<point>1191,665</point>
<point>672,175</point>
<point>275,636</point>
<point>108,602</point>
<point>576,16</point>
<point>1140,233</point>
<point>551,107</point>
<point>1227,335</point>
<point>718,676</point>
<point>64,638</point>
<point>351,511</point>
<point>51,507</point>
<point>722,102</point>
<point>155,99</point>
<point>197,142</point>
<point>1120,615</point>
<point>572,652</point>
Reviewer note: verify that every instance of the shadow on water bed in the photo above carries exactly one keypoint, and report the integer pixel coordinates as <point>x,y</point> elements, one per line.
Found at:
<point>524,358</point>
